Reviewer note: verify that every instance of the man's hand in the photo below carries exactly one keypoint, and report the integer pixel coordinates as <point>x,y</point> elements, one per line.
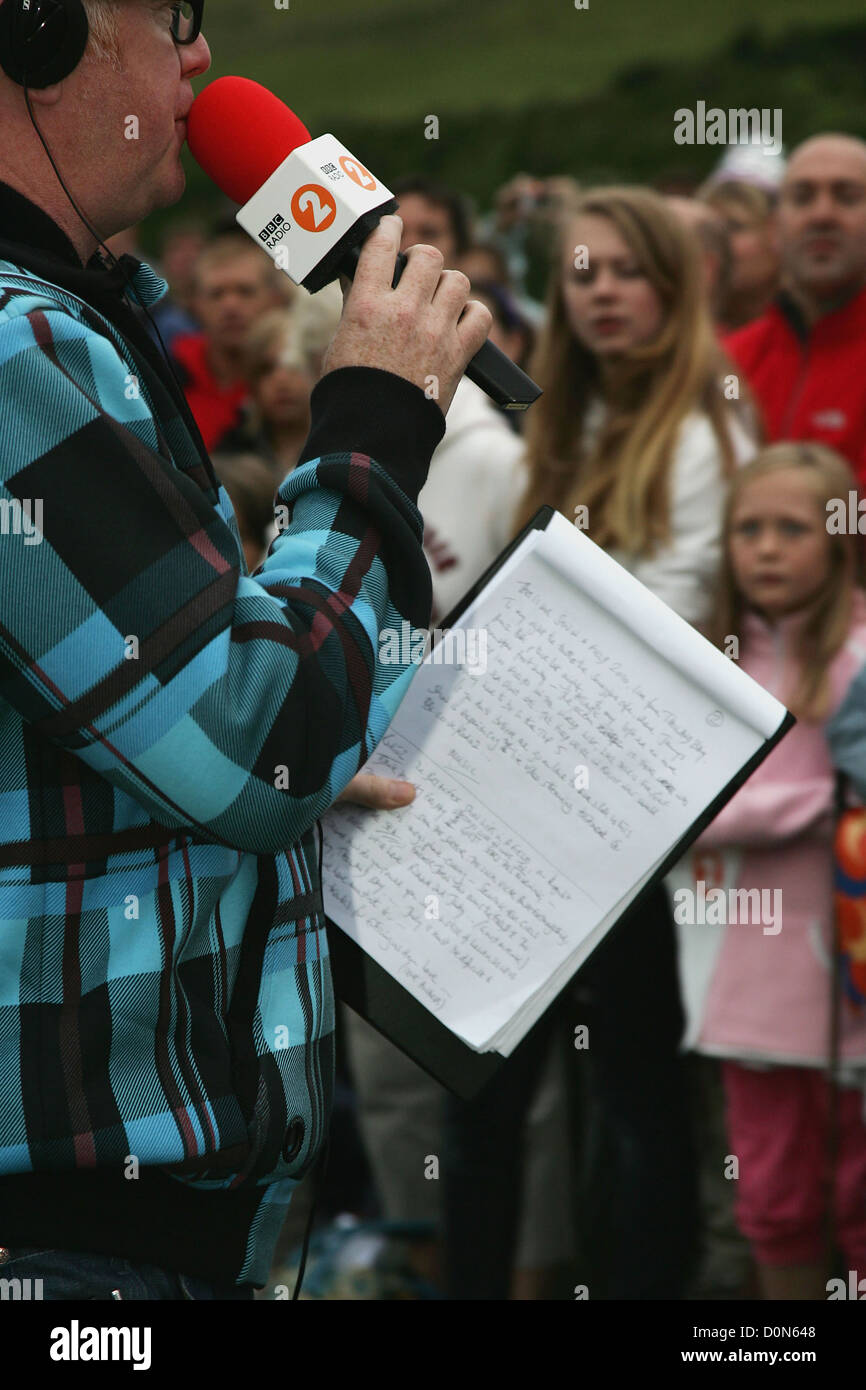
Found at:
<point>427,327</point>
<point>378,793</point>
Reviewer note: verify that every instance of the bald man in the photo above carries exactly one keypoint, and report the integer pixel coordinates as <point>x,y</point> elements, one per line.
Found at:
<point>805,359</point>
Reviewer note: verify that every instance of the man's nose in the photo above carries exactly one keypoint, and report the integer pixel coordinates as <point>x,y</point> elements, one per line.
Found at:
<point>195,58</point>
<point>824,209</point>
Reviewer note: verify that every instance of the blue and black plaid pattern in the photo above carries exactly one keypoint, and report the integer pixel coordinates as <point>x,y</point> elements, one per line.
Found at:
<point>170,731</point>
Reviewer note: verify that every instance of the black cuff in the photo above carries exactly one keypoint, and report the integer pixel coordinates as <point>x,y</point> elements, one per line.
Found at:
<point>365,410</point>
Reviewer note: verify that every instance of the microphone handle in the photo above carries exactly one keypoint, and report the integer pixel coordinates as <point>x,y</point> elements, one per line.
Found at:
<point>502,380</point>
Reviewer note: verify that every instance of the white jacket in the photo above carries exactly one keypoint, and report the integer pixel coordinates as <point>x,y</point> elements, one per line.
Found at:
<point>478,476</point>
<point>683,572</point>
<point>470,496</point>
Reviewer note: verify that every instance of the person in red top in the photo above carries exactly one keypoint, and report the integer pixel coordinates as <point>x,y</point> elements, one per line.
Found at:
<point>805,359</point>
<point>235,283</point>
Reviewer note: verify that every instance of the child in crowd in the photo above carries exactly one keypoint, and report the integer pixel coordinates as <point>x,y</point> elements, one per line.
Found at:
<point>282,361</point>
<point>758,992</point>
<point>250,484</point>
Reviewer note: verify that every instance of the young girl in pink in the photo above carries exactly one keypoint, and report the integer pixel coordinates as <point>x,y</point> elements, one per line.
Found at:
<point>757,992</point>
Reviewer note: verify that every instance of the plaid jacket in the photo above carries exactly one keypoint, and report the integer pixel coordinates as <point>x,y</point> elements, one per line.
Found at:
<point>170,730</point>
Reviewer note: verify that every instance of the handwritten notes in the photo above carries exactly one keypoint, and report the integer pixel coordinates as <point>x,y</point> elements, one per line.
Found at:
<point>548,787</point>
<point>457,906</point>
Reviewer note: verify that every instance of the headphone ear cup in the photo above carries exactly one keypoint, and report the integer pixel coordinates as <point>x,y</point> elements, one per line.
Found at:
<point>44,45</point>
<point>7,62</point>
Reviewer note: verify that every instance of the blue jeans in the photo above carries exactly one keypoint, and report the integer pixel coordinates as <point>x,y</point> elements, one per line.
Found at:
<point>71,1274</point>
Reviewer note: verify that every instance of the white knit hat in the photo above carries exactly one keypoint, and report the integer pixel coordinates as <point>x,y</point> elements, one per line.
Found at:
<point>750,163</point>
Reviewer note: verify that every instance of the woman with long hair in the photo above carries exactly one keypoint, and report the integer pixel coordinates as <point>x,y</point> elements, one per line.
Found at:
<point>641,420</point>
<point>639,428</point>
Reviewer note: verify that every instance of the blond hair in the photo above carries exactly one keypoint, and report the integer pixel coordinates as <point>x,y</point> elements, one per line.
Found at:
<point>319,316</point>
<point>282,330</point>
<point>104,41</point>
<point>622,477</point>
<point>826,629</point>
<point>757,203</point>
<point>300,332</point>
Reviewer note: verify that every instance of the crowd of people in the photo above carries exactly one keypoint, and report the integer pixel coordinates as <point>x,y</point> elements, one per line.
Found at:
<point>702,407</point>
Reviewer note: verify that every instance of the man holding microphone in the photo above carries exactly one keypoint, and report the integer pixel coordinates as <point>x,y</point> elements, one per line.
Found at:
<point>171,728</point>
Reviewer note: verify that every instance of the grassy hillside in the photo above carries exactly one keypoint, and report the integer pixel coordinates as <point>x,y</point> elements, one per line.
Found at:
<point>398,60</point>
<point>520,111</point>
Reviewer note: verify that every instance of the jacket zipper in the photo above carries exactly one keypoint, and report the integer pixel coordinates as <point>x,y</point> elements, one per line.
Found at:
<point>794,398</point>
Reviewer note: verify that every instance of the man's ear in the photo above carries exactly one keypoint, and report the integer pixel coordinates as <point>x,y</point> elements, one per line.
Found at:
<point>46,96</point>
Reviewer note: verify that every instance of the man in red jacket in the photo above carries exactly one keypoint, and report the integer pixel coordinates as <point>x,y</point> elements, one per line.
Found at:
<point>235,283</point>
<point>805,359</point>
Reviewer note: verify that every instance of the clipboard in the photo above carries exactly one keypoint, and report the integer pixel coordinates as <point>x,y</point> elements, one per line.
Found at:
<point>368,989</point>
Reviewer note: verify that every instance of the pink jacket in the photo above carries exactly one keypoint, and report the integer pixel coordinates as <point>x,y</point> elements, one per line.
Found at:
<point>754,990</point>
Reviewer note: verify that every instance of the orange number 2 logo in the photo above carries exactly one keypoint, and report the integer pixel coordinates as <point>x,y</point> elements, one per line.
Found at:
<point>313,207</point>
<point>356,171</point>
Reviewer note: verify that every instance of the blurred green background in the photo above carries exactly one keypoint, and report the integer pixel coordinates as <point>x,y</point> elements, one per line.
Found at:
<point>537,84</point>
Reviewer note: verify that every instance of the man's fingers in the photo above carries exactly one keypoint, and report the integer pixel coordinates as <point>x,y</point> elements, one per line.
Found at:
<point>421,276</point>
<point>452,291</point>
<point>473,326</point>
<point>377,793</point>
<point>423,329</point>
<point>375,269</point>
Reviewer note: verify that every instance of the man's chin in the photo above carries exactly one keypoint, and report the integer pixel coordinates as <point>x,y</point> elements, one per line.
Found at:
<point>173,187</point>
<point>830,283</point>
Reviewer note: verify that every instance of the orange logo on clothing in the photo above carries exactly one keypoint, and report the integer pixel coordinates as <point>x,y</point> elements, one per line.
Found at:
<point>850,900</point>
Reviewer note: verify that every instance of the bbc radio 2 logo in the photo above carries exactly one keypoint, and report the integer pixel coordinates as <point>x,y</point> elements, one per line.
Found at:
<point>276,229</point>
<point>357,173</point>
<point>313,207</point>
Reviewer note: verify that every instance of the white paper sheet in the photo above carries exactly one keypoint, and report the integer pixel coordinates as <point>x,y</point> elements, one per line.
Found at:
<point>480,893</point>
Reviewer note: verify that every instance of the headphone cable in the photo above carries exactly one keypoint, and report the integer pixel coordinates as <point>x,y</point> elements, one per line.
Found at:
<point>113,261</point>
<point>75,206</point>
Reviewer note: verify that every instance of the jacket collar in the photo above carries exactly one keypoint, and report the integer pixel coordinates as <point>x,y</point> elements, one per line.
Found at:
<point>846,322</point>
<point>784,630</point>
<point>30,238</point>
<point>24,222</point>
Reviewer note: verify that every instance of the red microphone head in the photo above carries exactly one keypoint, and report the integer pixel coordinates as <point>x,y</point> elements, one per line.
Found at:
<point>239,133</point>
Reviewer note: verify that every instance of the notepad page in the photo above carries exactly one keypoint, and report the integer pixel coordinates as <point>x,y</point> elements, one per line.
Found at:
<point>648,617</point>
<point>548,785</point>
<point>511,1033</point>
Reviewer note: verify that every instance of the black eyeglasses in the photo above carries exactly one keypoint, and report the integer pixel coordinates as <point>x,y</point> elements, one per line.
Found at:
<point>186,20</point>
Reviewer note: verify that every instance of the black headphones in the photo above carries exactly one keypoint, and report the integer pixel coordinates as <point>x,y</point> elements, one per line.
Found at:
<point>41,41</point>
